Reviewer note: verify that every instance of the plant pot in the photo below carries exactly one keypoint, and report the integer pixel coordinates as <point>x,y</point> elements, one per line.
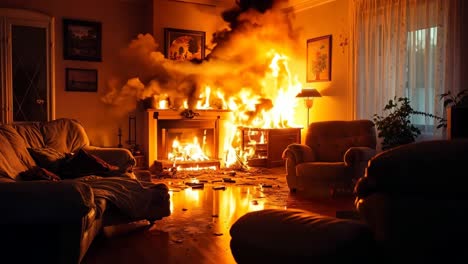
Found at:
<point>457,122</point>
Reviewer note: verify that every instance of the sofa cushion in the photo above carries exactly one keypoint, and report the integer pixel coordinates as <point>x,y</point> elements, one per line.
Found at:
<point>37,173</point>
<point>48,158</point>
<point>31,133</point>
<point>331,139</point>
<point>14,155</point>
<point>299,236</point>
<point>83,163</point>
<point>65,135</point>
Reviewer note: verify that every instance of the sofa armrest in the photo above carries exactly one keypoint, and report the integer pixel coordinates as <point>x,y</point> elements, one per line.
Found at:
<point>299,153</point>
<point>120,157</point>
<point>45,202</point>
<point>358,154</point>
<point>374,210</point>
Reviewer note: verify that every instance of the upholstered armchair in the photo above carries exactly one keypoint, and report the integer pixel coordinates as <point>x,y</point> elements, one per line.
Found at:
<point>334,156</point>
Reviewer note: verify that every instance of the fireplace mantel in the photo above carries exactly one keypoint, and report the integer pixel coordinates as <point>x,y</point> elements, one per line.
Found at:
<point>169,114</point>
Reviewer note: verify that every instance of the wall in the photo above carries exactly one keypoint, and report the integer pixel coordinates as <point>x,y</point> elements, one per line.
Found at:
<point>121,20</point>
<point>184,15</point>
<point>330,18</point>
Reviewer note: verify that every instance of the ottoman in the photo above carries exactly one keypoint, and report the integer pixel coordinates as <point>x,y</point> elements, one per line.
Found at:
<point>297,236</point>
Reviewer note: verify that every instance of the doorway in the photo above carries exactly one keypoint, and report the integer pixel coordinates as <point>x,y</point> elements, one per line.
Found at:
<point>27,87</point>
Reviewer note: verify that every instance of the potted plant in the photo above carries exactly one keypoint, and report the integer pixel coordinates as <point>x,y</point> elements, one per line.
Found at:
<point>396,128</point>
<point>457,113</point>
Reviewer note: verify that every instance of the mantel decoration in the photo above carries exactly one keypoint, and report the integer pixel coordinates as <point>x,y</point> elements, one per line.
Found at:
<point>319,52</point>
<point>81,40</point>
<point>184,45</point>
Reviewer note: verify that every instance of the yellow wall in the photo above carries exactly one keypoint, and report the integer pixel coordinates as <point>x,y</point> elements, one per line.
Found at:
<point>326,19</point>
<point>121,22</point>
<point>185,15</point>
<point>330,18</point>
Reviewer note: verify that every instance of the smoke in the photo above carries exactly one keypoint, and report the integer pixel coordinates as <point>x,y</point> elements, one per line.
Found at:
<point>239,59</point>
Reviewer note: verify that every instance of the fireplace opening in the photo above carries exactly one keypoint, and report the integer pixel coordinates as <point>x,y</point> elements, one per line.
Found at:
<point>188,143</point>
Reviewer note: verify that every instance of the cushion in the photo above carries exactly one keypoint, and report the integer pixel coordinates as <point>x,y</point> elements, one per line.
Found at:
<point>83,163</point>
<point>47,158</point>
<point>299,236</point>
<point>37,173</point>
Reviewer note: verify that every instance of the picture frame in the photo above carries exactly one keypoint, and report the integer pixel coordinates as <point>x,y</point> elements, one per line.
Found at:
<point>183,44</point>
<point>82,40</point>
<point>81,80</point>
<point>319,59</point>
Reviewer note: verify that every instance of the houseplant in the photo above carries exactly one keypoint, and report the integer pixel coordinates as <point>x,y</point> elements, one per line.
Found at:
<point>396,128</point>
<point>457,113</point>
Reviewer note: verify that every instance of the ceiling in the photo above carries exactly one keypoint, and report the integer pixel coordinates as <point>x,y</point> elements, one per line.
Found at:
<point>298,5</point>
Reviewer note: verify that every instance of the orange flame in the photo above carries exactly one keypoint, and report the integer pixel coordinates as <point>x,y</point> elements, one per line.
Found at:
<point>273,107</point>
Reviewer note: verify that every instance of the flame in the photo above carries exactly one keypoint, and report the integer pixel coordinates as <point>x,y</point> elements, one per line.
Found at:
<point>273,107</point>
<point>187,152</point>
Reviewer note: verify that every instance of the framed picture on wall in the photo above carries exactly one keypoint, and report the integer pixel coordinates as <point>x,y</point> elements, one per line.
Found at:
<point>81,40</point>
<point>81,80</point>
<point>319,52</point>
<point>183,44</point>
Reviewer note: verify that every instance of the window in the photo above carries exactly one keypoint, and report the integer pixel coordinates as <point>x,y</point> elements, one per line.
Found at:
<point>403,48</point>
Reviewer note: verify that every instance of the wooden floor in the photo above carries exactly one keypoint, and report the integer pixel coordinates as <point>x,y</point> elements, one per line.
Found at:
<point>197,231</point>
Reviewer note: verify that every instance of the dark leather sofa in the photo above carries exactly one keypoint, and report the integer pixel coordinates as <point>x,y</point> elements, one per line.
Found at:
<point>412,205</point>
<point>415,200</point>
<point>55,221</point>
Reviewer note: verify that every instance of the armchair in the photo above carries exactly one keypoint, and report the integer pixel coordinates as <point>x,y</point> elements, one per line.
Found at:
<point>334,156</point>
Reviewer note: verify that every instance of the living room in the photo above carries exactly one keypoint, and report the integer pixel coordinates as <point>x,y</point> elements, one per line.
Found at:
<point>107,121</point>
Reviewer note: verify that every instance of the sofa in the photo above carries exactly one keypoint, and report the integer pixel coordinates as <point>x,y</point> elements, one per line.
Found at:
<point>333,157</point>
<point>58,192</point>
<point>415,200</point>
<point>411,207</point>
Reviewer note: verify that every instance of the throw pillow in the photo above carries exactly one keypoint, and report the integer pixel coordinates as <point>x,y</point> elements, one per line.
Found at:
<point>83,163</point>
<point>37,173</point>
<point>48,158</point>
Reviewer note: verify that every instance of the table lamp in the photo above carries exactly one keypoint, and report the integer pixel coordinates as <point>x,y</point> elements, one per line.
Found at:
<point>308,95</point>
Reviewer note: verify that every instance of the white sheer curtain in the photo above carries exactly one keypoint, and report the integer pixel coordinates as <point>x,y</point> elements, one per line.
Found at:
<point>404,48</point>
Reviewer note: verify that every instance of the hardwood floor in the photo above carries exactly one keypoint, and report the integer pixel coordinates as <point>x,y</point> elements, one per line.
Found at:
<point>197,231</point>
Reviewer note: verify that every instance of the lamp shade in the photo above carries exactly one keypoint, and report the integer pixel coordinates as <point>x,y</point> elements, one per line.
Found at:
<point>309,93</point>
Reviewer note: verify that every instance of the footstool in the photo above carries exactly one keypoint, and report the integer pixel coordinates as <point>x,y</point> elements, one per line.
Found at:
<point>296,236</point>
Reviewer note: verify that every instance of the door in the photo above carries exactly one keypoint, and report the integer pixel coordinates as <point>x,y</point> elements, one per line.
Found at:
<point>26,66</point>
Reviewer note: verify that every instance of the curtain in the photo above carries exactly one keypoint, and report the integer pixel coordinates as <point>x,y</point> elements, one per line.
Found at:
<point>404,48</point>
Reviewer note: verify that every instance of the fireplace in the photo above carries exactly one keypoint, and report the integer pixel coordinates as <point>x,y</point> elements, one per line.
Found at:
<point>185,138</point>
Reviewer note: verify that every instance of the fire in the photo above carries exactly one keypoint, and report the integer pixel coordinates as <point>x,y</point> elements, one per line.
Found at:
<point>187,152</point>
<point>251,81</point>
<point>272,109</point>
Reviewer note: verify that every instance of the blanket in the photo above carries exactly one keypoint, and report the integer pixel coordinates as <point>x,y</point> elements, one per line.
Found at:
<point>136,199</point>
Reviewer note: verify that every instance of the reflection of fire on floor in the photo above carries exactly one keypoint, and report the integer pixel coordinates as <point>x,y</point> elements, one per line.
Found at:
<point>206,203</point>
<point>261,177</point>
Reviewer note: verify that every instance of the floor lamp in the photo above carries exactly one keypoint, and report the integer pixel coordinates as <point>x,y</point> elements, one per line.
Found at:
<point>308,95</point>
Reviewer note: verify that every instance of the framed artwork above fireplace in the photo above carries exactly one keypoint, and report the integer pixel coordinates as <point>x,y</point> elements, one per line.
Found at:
<point>183,44</point>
